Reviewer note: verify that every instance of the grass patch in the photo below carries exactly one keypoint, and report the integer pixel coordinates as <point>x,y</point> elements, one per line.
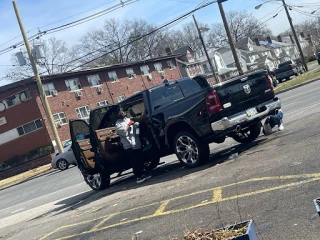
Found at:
<point>313,62</point>
<point>306,77</point>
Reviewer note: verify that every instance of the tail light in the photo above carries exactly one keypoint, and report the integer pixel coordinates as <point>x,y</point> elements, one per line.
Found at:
<point>270,81</point>
<point>213,102</point>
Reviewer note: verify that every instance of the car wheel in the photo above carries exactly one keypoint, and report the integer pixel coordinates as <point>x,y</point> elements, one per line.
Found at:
<point>190,151</point>
<point>248,135</point>
<point>280,80</point>
<point>97,181</point>
<point>62,164</point>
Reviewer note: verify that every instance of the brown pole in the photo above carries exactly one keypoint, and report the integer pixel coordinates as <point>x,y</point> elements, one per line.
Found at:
<point>206,52</point>
<point>233,49</point>
<point>295,35</point>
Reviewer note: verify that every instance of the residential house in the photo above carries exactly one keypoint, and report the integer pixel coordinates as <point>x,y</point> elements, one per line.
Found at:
<point>23,122</point>
<point>188,65</point>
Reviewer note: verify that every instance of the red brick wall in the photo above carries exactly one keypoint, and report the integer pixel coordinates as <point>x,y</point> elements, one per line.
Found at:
<point>17,116</point>
<point>66,101</point>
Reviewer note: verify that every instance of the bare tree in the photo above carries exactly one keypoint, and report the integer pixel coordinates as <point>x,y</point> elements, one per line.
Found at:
<point>119,42</point>
<point>242,24</point>
<point>58,59</point>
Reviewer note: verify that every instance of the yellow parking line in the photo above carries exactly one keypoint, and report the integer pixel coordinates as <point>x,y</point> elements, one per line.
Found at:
<point>217,195</point>
<point>161,208</point>
<point>101,223</point>
<point>217,192</point>
<point>161,212</point>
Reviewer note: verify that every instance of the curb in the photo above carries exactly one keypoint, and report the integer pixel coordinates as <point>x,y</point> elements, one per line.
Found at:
<point>28,179</point>
<point>297,86</point>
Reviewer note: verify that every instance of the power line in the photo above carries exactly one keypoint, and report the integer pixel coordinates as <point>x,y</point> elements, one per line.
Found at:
<point>19,36</point>
<point>151,32</point>
<point>71,24</point>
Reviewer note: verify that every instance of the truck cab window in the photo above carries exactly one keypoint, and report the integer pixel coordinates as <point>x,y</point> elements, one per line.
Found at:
<point>165,95</point>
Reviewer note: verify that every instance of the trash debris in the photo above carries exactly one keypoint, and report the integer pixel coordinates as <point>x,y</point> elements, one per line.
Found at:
<point>115,205</point>
<point>123,219</point>
<point>138,232</point>
<point>234,155</point>
<point>204,201</point>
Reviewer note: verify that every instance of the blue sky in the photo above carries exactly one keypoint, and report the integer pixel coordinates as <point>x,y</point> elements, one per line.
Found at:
<point>36,13</point>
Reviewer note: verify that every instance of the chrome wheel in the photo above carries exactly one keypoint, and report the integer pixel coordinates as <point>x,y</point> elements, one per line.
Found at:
<point>94,180</point>
<point>187,150</point>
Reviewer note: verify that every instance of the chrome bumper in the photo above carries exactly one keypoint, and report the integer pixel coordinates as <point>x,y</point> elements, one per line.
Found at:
<point>226,122</point>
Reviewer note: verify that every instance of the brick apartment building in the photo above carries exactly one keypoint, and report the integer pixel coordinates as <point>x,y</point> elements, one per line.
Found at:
<point>23,123</point>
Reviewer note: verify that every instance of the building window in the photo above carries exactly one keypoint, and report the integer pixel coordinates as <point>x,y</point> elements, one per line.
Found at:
<point>158,67</point>
<point>83,112</point>
<point>14,100</point>
<point>145,69</point>
<point>170,64</point>
<point>113,76</point>
<point>102,103</point>
<point>94,80</point>
<point>121,98</point>
<point>205,68</point>
<point>73,84</point>
<point>29,127</point>
<point>60,118</point>
<point>130,73</point>
<point>48,88</point>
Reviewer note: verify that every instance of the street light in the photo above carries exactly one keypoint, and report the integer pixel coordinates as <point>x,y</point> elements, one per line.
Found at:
<point>293,30</point>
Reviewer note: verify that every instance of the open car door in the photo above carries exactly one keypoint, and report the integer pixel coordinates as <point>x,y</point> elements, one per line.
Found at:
<point>81,146</point>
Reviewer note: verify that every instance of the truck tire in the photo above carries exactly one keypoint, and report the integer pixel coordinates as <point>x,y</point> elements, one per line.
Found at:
<point>249,135</point>
<point>190,151</point>
<point>97,181</point>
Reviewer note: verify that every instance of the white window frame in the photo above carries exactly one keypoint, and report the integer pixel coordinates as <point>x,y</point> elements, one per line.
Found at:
<point>113,76</point>
<point>60,118</point>
<point>78,112</point>
<point>75,81</point>
<point>171,65</point>
<point>121,98</point>
<point>102,103</point>
<point>48,89</point>
<point>158,67</point>
<point>15,99</point>
<point>94,80</point>
<point>37,128</point>
<point>130,73</point>
<point>144,69</point>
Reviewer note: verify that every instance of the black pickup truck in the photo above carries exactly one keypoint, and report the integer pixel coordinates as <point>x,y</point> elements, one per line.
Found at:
<point>287,69</point>
<point>182,116</point>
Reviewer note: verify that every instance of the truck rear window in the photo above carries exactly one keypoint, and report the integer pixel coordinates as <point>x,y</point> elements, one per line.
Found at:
<point>165,95</point>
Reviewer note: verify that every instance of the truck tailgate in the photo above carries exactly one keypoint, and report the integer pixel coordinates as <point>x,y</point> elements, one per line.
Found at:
<point>244,92</point>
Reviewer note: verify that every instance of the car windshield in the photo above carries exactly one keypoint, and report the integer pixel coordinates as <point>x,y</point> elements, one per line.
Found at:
<point>67,143</point>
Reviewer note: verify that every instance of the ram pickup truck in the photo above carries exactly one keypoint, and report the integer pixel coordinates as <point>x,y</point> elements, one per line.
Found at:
<point>182,116</point>
<point>287,69</point>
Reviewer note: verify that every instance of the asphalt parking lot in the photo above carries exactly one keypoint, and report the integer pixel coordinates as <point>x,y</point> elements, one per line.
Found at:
<point>273,180</point>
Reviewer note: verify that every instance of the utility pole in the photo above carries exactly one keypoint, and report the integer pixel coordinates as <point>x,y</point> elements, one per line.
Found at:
<point>39,83</point>
<point>206,52</point>
<point>295,35</point>
<point>226,26</point>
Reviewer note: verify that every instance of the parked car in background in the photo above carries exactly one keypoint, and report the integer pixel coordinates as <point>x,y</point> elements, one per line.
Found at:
<point>63,160</point>
<point>287,69</point>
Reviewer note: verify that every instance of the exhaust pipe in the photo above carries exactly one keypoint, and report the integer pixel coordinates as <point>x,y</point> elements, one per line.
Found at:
<point>238,128</point>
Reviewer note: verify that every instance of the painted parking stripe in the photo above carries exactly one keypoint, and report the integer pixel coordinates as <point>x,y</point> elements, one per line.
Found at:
<point>217,197</point>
